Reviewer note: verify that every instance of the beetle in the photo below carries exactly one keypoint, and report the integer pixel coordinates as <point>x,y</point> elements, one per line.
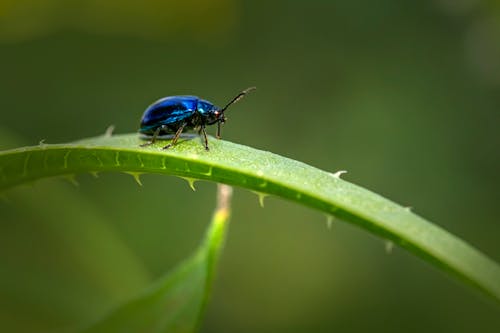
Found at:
<point>174,114</point>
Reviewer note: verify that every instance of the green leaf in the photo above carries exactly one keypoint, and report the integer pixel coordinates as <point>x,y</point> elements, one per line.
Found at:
<point>176,302</point>
<point>60,263</point>
<point>265,173</point>
<point>55,288</point>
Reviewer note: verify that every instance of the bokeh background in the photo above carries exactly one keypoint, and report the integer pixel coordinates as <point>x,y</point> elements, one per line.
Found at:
<point>404,95</point>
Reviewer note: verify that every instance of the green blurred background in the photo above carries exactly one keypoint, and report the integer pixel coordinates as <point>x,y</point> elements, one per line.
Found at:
<point>404,95</point>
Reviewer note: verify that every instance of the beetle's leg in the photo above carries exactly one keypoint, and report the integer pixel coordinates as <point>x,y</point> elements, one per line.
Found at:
<point>176,136</point>
<point>153,139</point>
<point>205,136</point>
<point>205,139</point>
<point>218,136</point>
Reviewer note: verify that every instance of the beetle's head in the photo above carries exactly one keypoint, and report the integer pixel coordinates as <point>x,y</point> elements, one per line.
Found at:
<point>219,116</point>
<point>215,115</point>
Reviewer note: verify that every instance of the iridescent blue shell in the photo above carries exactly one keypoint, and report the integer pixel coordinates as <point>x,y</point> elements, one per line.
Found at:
<point>170,112</point>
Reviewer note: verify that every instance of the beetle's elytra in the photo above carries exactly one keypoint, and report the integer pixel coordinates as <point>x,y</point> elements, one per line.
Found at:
<point>174,114</point>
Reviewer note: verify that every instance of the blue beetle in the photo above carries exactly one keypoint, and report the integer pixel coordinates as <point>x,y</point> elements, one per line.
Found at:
<point>171,115</point>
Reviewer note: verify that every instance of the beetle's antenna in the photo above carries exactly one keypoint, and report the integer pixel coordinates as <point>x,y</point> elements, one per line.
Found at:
<point>237,98</point>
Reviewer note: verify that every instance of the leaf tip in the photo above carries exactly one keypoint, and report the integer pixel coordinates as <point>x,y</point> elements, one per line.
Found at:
<point>224,195</point>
